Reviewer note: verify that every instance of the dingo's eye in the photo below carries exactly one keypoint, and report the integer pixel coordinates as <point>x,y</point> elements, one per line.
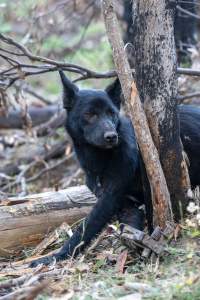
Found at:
<point>111,113</point>
<point>90,117</point>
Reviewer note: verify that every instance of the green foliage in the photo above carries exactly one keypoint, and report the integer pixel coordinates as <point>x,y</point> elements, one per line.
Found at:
<point>193,232</point>
<point>52,87</point>
<point>53,42</point>
<point>5,27</point>
<point>23,8</point>
<point>99,263</point>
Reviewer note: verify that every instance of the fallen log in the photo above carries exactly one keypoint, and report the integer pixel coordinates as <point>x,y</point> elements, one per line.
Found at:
<point>25,221</point>
<point>38,116</point>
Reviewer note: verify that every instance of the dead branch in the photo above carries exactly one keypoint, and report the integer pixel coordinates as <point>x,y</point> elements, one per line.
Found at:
<point>188,96</point>
<point>13,54</point>
<point>68,182</point>
<point>187,12</point>
<point>38,116</point>
<point>19,70</point>
<point>14,282</point>
<point>187,71</point>
<point>29,90</point>
<point>55,122</point>
<point>160,193</point>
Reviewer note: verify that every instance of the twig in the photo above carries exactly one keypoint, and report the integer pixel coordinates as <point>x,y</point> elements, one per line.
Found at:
<point>96,242</point>
<point>28,293</point>
<point>13,282</point>
<point>55,122</point>
<point>187,71</point>
<point>20,70</point>
<point>17,70</point>
<point>32,92</point>
<point>71,178</point>
<point>38,175</point>
<point>47,169</point>
<point>187,12</point>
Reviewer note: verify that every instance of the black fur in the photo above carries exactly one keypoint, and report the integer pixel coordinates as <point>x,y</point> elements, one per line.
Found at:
<point>112,166</point>
<point>190,136</point>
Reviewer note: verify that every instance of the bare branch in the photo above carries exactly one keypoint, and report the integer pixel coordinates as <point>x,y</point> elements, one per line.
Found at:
<point>15,68</point>
<point>188,96</point>
<point>187,71</point>
<point>187,12</point>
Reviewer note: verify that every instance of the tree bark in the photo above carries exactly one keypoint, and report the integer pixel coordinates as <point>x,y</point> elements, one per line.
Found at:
<point>155,65</point>
<point>160,194</point>
<point>25,221</point>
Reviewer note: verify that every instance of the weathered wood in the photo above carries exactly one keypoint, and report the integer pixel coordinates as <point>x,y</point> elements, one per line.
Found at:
<point>25,221</point>
<point>160,194</point>
<point>155,70</point>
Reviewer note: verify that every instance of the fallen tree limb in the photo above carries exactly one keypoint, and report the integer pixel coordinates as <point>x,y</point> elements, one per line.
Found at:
<point>181,98</point>
<point>25,221</point>
<point>38,116</point>
<point>55,122</point>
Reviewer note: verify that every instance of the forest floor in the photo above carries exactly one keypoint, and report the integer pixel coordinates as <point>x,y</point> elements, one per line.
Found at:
<point>108,270</point>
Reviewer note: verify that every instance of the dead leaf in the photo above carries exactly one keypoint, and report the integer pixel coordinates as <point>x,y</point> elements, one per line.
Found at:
<point>177,231</point>
<point>121,260</point>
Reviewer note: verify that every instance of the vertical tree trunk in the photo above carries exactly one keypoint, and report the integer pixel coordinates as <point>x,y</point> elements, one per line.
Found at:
<point>155,64</point>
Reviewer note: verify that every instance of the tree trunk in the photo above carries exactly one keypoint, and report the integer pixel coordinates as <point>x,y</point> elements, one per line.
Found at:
<point>155,66</point>
<point>25,221</point>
